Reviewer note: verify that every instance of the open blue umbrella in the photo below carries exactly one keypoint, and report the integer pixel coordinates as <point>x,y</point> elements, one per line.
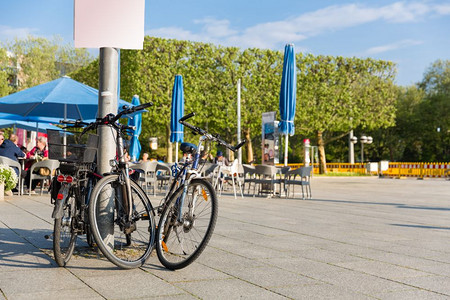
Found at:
<point>41,127</point>
<point>136,120</point>
<point>63,98</point>
<point>177,112</point>
<point>288,96</point>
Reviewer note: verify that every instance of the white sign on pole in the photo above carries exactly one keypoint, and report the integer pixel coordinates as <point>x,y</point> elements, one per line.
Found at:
<point>109,23</point>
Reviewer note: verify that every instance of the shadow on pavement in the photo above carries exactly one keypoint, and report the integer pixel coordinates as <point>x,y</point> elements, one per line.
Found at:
<point>421,226</point>
<point>399,205</point>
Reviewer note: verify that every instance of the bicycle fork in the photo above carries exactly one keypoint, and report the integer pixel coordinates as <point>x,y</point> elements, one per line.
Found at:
<point>126,201</point>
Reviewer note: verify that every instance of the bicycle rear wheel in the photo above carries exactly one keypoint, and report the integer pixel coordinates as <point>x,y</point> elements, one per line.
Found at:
<point>64,236</point>
<point>125,249</point>
<point>181,240</point>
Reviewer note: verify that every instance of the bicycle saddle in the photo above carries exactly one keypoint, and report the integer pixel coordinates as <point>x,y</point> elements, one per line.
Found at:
<point>188,148</point>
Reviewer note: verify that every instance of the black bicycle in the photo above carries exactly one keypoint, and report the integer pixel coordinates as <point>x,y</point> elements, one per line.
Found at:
<point>70,192</point>
<point>120,213</point>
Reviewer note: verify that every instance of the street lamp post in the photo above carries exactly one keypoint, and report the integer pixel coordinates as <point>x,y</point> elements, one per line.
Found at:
<point>364,140</point>
<point>352,140</point>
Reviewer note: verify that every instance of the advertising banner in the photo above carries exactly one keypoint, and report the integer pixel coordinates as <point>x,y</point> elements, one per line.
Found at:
<point>270,139</point>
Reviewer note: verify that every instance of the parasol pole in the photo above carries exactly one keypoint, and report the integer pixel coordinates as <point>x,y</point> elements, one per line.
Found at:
<point>286,150</point>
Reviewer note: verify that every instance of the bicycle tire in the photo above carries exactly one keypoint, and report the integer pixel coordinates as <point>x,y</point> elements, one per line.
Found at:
<point>64,237</point>
<point>180,244</point>
<point>128,250</point>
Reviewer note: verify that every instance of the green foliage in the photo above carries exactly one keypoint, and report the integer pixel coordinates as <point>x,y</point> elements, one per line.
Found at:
<point>335,94</point>
<point>42,60</point>
<point>8,177</point>
<point>422,130</point>
<point>4,67</point>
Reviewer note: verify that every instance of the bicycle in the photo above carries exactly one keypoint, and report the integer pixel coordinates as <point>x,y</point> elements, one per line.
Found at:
<point>120,213</point>
<point>188,213</point>
<point>70,192</point>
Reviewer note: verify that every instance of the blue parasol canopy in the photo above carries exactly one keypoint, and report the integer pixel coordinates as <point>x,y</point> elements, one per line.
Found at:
<point>136,120</point>
<point>177,110</point>
<point>41,127</point>
<point>63,98</point>
<point>288,92</point>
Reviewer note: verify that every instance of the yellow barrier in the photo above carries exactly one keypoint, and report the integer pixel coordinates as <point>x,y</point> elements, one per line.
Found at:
<point>396,169</point>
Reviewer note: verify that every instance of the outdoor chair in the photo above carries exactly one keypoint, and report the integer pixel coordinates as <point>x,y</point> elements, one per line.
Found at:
<point>50,164</point>
<point>147,174</point>
<point>14,164</point>
<point>249,176</point>
<point>163,174</point>
<point>266,179</point>
<point>209,171</point>
<point>300,176</point>
<point>235,174</point>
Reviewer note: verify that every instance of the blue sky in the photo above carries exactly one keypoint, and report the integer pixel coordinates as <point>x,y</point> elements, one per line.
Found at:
<point>412,34</point>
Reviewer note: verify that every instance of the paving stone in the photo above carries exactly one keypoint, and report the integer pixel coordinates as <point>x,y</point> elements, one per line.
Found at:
<point>359,238</point>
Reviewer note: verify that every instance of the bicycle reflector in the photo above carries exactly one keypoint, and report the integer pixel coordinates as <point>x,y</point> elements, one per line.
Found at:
<point>62,178</point>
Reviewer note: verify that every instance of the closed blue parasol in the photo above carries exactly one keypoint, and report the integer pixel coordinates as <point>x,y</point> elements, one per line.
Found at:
<point>177,112</point>
<point>136,120</point>
<point>62,98</point>
<point>288,96</point>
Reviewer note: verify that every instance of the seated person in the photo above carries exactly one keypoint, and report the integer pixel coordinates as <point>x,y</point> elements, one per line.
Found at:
<point>38,153</point>
<point>221,160</point>
<point>205,157</point>
<point>144,157</point>
<point>10,150</point>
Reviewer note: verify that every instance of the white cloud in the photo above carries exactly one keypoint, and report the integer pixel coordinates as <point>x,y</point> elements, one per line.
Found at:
<point>442,9</point>
<point>393,46</point>
<point>7,32</point>
<point>301,27</point>
<point>174,33</point>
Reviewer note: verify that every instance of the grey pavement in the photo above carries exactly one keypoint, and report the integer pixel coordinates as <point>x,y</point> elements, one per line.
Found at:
<point>358,238</point>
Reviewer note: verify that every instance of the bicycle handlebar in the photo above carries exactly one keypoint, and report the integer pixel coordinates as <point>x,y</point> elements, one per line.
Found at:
<point>109,119</point>
<point>212,137</point>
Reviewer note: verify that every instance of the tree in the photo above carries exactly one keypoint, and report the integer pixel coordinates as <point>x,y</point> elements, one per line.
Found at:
<point>42,60</point>
<point>338,94</point>
<point>331,90</point>
<point>4,67</point>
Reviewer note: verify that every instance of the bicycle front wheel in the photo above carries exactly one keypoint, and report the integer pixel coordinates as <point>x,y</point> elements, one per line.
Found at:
<point>126,243</point>
<point>64,236</point>
<point>186,225</point>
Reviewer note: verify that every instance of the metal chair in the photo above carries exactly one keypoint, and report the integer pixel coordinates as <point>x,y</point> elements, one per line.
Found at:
<point>14,164</point>
<point>300,176</point>
<point>249,176</point>
<point>163,174</point>
<point>209,171</point>
<point>266,178</point>
<point>148,175</point>
<point>50,164</point>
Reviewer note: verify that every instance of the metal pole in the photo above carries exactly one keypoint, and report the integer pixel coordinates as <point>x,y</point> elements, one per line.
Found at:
<point>351,148</point>
<point>362,152</point>
<point>239,119</point>
<point>286,150</point>
<point>65,133</point>
<point>107,103</point>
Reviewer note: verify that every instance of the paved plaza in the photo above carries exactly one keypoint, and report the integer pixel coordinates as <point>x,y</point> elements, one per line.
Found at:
<point>357,238</point>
